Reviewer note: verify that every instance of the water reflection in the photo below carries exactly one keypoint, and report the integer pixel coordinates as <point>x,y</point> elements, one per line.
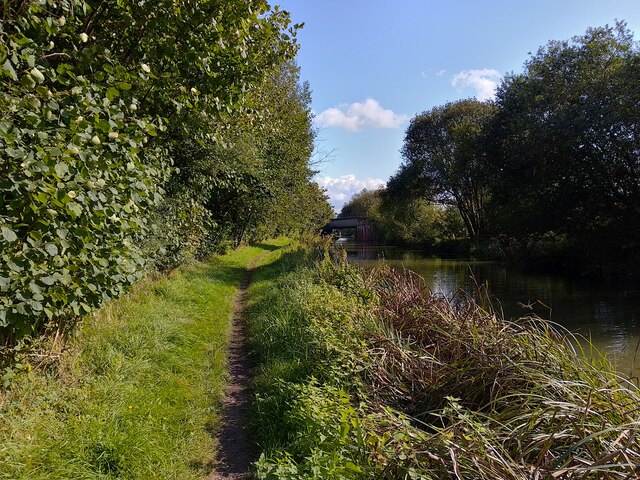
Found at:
<point>607,314</point>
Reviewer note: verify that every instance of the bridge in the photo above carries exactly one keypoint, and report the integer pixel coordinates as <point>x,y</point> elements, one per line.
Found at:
<point>357,226</point>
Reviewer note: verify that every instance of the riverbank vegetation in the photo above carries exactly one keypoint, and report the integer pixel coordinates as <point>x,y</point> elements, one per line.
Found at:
<point>136,392</point>
<point>368,375</point>
<point>547,175</point>
<point>139,135</point>
<point>410,221</point>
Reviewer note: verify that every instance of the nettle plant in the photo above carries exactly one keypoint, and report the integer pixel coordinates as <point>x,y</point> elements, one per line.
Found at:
<point>78,173</point>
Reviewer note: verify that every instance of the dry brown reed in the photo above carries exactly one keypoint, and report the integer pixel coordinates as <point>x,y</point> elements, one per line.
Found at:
<point>501,399</point>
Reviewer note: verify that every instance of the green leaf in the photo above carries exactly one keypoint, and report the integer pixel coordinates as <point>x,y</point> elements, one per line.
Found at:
<point>103,126</point>
<point>51,249</point>
<point>61,169</point>
<point>28,81</point>
<point>7,67</point>
<point>74,209</point>
<point>112,93</point>
<point>8,234</point>
<point>34,287</point>
<point>36,306</point>
<point>48,280</point>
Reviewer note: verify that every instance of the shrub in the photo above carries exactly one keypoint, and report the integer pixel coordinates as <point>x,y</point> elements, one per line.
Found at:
<point>77,178</point>
<point>98,100</point>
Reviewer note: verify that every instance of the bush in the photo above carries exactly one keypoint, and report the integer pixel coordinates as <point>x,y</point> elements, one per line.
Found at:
<point>78,180</point>
<point>102,103</point>
<point>549,250</point>
<point>491,250</point>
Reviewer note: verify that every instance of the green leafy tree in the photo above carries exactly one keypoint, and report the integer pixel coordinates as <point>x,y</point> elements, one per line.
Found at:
<point>256,180</point>
<point>444,161</point>
<point>365,204</point>
<point>565,147</point>
<point>404,220</point>
<point>286,140</point>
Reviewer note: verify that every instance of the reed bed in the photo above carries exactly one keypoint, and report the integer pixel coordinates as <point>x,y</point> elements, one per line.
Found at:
<point>507,399</point>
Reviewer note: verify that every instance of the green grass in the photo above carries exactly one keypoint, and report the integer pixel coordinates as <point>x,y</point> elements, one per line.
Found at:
<point>136,392</point>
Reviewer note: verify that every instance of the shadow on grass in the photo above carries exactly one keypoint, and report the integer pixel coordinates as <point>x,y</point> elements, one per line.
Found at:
<point>229,274</point>
<point>284,264</point>
<point>266,246</point>
<point>226,274</point>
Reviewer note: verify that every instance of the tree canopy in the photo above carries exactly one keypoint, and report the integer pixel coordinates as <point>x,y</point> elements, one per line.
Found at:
<point>564,146</point>
<point>443,160</point>
<point>554,159</point>
<point>406,220</point>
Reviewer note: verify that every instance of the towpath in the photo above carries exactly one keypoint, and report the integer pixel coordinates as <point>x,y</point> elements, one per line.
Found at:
<point>236,451</point>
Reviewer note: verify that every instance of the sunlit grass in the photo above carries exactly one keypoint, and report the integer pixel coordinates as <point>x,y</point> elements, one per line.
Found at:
<point>136,393</point>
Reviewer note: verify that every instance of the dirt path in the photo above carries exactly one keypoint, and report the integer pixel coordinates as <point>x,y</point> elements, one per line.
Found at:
<point>236,449</point>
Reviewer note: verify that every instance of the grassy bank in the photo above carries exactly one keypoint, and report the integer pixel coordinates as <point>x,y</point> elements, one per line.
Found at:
<point>368,375</point>
<point>135,394</point>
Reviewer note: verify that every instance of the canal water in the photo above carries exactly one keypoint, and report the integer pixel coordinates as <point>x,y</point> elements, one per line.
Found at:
<point>607,314</point>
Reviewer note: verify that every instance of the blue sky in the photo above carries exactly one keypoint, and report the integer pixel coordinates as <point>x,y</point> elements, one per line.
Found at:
<point>374,64</point>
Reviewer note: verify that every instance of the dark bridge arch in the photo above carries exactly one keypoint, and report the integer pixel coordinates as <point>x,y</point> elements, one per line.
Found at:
<point>363,229</point>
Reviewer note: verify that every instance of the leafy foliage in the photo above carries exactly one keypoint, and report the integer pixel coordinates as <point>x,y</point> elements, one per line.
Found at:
<point>256,181</point>
<point>556,156</point>
<point>406,219</point>
<point>444,160</point>
<point>565,148</point>
<point>102,103</point>
<point>77,175</point>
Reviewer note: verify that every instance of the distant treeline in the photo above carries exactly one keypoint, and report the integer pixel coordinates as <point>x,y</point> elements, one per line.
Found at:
<point>547,174</point>
<point>140,133</point>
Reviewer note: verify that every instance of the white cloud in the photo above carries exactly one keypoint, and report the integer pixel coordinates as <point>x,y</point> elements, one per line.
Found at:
<point>484,82</point>
<point>340,189</point>
<point>359,115</point>
<point>340,197</point>
<point>432,72</point>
